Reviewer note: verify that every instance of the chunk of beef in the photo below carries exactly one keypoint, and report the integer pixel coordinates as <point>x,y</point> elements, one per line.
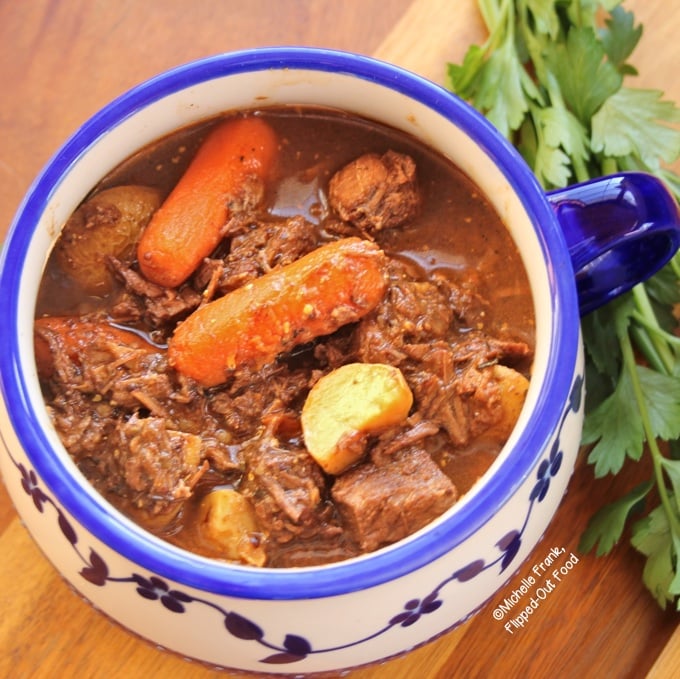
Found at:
<point>241,413</point>
<point>256,395</point>
<point>339,228</point>
<point>109,366</point>
<point>469,306</point>
<point>414,431</point>
<point>412,311</point>
<point>287,490</point>
<point>292,482</point>
<point>142,300</point>
<point>105,380</point>
<point>83,429</point>
<point>454,387</point>
<point>139,462</point>
<point>484,349</point>
<point>376,192</point>
<point>257,247</point>
<point>154,467</point>
<point>384,503</point>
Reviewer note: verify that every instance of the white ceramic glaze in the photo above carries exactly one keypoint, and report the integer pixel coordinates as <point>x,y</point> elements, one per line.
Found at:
<point>312,619</point>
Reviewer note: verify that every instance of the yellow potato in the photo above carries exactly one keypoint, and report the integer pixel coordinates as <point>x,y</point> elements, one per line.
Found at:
<point>108,224</point>
<point>513,390</point>
<point>227,521</point>
<point>349,403</point>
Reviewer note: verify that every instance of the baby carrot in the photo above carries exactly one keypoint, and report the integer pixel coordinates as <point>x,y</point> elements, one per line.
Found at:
<point>187,227</point>
<point>335,284</point>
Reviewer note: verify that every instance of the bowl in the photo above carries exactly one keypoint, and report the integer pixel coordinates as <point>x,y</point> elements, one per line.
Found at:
<point>580,247</point>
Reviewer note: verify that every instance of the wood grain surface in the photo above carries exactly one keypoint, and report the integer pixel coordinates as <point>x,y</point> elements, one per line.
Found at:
<point>59,63</point>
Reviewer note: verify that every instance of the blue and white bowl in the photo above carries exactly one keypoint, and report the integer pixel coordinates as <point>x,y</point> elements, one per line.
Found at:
<point>298,620</point>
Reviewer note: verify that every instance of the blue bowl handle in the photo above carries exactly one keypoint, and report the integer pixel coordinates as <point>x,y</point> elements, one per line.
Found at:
<point>620,230</point>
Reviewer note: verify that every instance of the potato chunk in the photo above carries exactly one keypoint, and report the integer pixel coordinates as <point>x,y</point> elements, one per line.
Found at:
<point>108,224</point>
<point>513,387</point>
<point>352,402</point>
<point>227,521</point>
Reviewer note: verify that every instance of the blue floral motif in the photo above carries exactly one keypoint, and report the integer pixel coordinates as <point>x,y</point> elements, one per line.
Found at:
<point>575,396</point>
<point>242,628</point>
<point>29,482</point>
<point>96,572</point>
<point>509,544</point>
<point>154,588</point>
<point>472,570</point>
<point>415,608</point>
<point>547,470</point>
<point>294,647</point>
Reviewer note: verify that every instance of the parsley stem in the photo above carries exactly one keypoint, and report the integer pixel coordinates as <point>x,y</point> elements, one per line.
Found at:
<point>644,306</point>
<point>675,262</point>
<point>581,173</point>
<point>609,165</point>
<point>490,10</point>
<point>652,444</point>
<point>498,18</point>
<point>643,343</point>
<point>669,340</point>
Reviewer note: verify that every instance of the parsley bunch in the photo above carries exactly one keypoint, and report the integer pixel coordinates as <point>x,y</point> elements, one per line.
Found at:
<point>550,77</point>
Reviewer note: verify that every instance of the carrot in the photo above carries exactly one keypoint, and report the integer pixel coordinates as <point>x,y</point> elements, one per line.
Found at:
<point>187,227</point>
<point>335,284</point>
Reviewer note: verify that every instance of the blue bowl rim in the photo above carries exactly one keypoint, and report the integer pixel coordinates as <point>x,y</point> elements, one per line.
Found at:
<point>348,576</point>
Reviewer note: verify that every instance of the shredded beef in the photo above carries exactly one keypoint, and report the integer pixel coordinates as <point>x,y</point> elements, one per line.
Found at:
<point>411,311</point>
<point>288,491</point>
<point>83,428</point>
<point>143,300</point>
<point>159,466</point>
<point>251,397</point>
<point>376,192</point>
<point>256,248</point>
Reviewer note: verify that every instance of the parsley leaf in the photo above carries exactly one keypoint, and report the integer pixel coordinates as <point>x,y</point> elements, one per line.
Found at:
<point>620,37</point>
<point>616,424</point>
<point>560,138</point>
<point>585,78</point>
<point>663,286</point>
<point>607,524</point>
<point>551,164</point>
<point>499,89</point>
<point>662,394</point>
<point>627,124</point>
<point>652,537</point>
<point>604,350</point>
<point>463,77</point>
<point>616,427</point>
<point>546,21</point>
<point>493,75</point>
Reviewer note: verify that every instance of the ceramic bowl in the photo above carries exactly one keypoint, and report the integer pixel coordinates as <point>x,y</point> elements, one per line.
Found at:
<point>579,248</point>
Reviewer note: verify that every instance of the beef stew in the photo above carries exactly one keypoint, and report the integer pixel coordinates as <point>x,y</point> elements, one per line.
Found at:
<point>207,447</point>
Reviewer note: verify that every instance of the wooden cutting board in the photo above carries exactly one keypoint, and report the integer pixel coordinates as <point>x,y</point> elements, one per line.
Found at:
<point>59,62</point>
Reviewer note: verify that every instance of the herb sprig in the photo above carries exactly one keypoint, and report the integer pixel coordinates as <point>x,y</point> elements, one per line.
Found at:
<point>550,77</point>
